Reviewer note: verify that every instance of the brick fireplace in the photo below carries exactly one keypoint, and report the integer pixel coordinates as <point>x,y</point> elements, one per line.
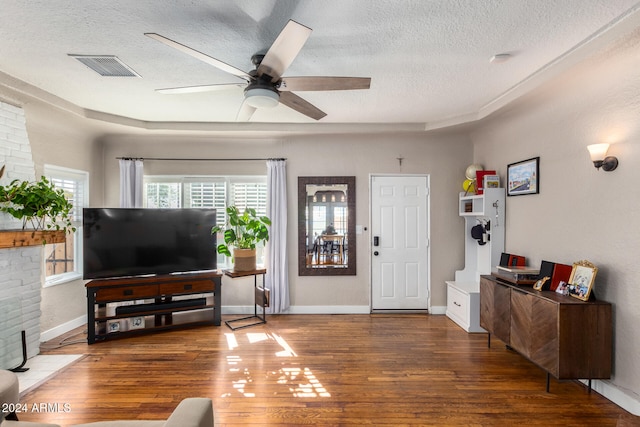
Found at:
<point>20,268</point>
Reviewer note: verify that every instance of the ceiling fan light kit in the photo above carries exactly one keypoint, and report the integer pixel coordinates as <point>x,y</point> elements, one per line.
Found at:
<point>266,86</point>
<point>260,97</point>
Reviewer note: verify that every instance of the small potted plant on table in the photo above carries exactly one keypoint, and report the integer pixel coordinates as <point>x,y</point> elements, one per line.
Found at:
<point>242,233</point>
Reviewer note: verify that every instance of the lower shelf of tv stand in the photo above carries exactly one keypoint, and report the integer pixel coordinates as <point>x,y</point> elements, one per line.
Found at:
<point>151,304</point>
<point>152,323</point>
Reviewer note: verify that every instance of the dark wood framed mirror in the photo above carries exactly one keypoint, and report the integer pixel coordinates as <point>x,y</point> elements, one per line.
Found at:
<point>326,225</point>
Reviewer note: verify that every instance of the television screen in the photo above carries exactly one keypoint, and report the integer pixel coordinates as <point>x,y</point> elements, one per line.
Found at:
<point>120,242</point>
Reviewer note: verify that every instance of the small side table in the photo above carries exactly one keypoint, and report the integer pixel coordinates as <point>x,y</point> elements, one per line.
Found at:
<point>261,298</point>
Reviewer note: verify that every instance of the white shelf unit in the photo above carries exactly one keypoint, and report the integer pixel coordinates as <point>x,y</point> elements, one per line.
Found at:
<point>463,292</point>
<point>470,205</point>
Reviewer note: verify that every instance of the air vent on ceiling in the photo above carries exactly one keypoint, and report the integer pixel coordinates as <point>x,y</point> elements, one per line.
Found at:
<point>106,65</point>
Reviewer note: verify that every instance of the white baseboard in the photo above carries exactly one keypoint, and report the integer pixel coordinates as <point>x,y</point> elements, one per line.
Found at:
<point>329,309</point>
<point>303,309</point>
<point>320,309</point>
<point>616,395</point>
<point>63,329</point>
<point>438,309</point>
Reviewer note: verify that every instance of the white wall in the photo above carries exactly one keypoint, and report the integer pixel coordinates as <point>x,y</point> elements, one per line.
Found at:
<point>582,213</point>
<point>443,156</point>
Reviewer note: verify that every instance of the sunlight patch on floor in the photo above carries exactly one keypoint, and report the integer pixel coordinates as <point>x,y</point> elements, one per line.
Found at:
<point>300,382</point>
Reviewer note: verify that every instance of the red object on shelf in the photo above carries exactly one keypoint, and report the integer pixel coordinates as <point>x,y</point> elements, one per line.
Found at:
<point>561,272</point>
<point>480,180</point>
<point>516,261</point>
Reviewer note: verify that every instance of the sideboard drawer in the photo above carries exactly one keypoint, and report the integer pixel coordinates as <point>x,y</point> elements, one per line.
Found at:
<point>121,293</point>
<point>186,287</point>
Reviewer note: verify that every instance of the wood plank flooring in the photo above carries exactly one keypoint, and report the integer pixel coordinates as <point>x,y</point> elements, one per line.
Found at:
<point>321,370</point>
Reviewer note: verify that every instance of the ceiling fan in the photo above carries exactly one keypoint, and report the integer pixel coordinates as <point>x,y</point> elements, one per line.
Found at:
<point>266,86</point>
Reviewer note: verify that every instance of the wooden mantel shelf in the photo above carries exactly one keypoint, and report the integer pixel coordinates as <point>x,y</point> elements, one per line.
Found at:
<point>20,238</point>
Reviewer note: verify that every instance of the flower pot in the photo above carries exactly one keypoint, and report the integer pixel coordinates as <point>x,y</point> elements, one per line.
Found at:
<point>244,259</point>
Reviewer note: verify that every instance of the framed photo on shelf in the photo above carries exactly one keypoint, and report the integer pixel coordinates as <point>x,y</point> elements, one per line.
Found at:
<point>581,280</point>
<point>113,326</point>
<point>136,322</point>
<point>491,181</point>
<point>480,179</point>
<point>523,177</point>
<point>540,283</point>
<point>562,288</point>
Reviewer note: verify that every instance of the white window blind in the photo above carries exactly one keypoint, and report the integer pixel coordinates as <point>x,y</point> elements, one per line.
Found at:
<point>207,195</point>
<point>163,195</point>
<point>250,195</point>
<point>72,193</point>
<point>63,261</point>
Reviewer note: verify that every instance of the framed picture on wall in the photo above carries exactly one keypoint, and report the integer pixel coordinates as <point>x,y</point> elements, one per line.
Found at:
<point>581,280</point>
<point>523,177</point>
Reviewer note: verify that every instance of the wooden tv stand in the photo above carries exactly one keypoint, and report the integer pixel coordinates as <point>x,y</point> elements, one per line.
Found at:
<point>134,305</point>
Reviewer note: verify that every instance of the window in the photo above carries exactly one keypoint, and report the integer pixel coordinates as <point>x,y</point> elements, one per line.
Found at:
<point>63,261</point>
<point>319,219</point>
<point>208,192</point>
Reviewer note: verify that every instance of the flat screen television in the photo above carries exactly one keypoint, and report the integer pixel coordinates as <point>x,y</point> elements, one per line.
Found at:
<point>121,242</point>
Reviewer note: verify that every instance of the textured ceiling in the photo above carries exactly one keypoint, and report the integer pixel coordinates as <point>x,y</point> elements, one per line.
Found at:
<point>428,60</point>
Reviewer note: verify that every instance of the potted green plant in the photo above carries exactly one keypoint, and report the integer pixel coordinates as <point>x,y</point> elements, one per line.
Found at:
<point>39,205</point>
<point>242,232</point>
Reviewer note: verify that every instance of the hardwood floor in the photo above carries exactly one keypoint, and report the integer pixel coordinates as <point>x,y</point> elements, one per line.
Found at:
<point>321,370</point>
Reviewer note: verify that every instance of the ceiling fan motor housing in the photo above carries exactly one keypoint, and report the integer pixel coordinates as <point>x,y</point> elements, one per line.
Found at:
<point>261,93</point>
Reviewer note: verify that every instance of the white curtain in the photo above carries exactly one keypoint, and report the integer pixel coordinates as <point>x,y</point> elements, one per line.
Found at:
<point>131,178</point>
<point>277,277</point>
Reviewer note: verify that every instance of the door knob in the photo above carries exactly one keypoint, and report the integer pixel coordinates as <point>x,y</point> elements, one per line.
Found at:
<point>376,253</point>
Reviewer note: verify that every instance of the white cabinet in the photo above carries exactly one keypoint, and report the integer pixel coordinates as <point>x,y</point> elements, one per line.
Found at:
<point>481,256</point>
<point>463,305</point>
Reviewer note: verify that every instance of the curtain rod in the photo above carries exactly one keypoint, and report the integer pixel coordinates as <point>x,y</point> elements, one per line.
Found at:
<point>196,160</point>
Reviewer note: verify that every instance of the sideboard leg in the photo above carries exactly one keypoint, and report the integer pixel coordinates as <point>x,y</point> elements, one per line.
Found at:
<point>548,378</point>
<point>488,340</point>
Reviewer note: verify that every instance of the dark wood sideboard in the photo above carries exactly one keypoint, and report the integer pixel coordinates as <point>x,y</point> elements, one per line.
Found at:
<point>135,305</point>
<point>566,337</point>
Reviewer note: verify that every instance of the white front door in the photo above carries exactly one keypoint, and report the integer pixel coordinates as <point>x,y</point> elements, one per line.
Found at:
<point>400,242</point>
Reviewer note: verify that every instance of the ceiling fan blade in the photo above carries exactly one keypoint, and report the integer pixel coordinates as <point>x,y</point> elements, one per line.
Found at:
<point>245,112</point>
<point>201,56</point>
<point>202,88</point>
<point>284,50</point>
<point>323,83</point>
<point>293,101</point>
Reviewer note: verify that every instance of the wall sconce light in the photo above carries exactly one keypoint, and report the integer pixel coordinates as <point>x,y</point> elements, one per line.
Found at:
<point>598,153</point>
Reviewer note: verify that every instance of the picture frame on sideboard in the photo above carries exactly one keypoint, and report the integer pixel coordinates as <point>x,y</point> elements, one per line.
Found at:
<point>581,281</point>
<point>540,283</point>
